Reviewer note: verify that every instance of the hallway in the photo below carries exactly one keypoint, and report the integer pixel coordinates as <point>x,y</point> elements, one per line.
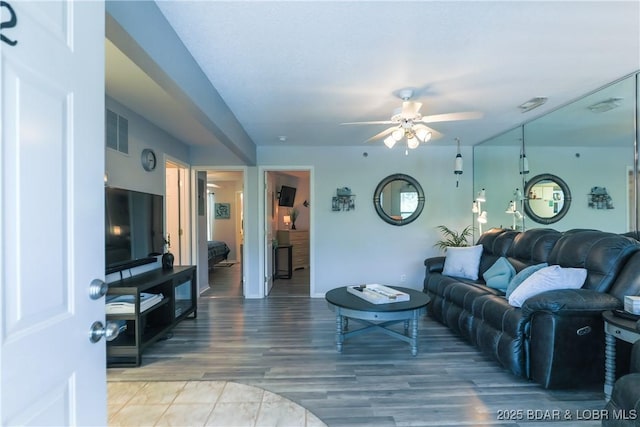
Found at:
<point>226,282</point>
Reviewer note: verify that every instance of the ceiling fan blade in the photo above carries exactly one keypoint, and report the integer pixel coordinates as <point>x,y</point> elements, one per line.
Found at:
<point>410,109</point>
<point>449,117</point>
<point>379,122</point>
<point>382,134</point>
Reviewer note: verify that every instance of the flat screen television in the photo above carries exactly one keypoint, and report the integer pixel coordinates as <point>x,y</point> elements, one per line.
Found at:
<point>287,196</point>
<point>134,228</point>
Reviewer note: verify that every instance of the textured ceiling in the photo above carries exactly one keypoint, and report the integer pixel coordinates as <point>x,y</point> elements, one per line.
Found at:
<point>299,69</point>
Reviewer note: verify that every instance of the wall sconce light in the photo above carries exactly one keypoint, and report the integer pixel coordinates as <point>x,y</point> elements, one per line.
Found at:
<point>482,196</point>
<point>513,210</point>
<point>517,193</point>
<point>476,208</point>
<point>287,220</point>
<point>482,219</point>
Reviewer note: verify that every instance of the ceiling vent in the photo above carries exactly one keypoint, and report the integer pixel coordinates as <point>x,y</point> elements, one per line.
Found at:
<point>532,103</point>
<point>605,105</point>
<point>117,132</point>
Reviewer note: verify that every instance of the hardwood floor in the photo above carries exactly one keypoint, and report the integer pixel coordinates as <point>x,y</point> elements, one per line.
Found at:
<point>227,282</point>
<point>287,346</point>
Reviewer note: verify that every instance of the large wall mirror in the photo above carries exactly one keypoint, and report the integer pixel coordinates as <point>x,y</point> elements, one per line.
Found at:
<point>588,143</point>
<point>398,199</point>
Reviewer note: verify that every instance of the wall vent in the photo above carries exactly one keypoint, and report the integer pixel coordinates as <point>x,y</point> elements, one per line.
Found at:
<point>117,132</point>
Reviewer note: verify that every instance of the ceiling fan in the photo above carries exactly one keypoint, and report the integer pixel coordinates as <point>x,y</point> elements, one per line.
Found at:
<point>407,122</point>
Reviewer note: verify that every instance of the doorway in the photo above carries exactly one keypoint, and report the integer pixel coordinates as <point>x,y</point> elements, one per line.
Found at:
<point>224,206</point>
<point>177,224</point>
<point>287,233</point>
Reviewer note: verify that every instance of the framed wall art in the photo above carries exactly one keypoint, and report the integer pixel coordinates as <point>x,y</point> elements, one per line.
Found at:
<point>223,210</point>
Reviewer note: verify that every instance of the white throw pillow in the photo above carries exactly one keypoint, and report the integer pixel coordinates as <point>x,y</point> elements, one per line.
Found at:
<point>547,279</point>
<point>523,275</point>
<point>463,262</point>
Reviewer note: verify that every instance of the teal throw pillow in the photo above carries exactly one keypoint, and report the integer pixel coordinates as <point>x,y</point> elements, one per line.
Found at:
<point>499,274</point>
<point>522,276</point>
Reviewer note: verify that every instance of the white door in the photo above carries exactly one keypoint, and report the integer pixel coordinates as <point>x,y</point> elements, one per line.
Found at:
<point>52,209</point>
<point>177,211</point>
<point>268,233</point>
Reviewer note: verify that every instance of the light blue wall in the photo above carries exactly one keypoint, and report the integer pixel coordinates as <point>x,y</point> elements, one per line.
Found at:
<point>125,171</point>
<point>357,246</point>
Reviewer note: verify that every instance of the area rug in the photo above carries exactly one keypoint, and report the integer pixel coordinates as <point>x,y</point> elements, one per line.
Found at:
<point>200,403</point>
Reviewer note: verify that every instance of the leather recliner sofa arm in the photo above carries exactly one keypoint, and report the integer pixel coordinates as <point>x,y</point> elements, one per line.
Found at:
<point>571,302</point>
<point>566,336</point>
<point>435,264</point>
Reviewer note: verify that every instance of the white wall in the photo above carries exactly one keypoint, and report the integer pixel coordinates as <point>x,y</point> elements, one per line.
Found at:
<point>357,246</point>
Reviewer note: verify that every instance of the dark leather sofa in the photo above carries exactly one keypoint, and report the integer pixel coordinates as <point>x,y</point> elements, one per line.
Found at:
<point>557,337</point>
<point>624,407</point>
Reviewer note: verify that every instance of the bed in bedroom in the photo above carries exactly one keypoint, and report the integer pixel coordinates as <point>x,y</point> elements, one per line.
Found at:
<point>217,251</point>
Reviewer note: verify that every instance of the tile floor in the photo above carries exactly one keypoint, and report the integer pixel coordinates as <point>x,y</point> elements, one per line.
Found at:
<point>201,403</point>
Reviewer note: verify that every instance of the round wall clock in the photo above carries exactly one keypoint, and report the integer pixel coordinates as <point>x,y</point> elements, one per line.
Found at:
<point>148,159</point>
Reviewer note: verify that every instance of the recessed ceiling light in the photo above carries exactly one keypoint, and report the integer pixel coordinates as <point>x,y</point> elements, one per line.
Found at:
<point>532,103</point>
<point>606,105</point>
<point>282,138</point>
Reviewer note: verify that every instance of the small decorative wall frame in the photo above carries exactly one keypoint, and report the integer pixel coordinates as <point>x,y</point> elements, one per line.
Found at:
<point>343,200</point>
<point>599,198</point>
<point>223,210</point>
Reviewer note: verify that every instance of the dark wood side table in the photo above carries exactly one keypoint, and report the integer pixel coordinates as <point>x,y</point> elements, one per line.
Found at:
<point>615,327</point>
<point>282,274</point>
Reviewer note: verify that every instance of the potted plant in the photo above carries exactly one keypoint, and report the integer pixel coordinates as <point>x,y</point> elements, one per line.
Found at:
<point>293,213</point>
<point>453,238</point>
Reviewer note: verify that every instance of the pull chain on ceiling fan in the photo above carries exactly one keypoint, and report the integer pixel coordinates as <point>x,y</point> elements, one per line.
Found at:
<point>408,123</point>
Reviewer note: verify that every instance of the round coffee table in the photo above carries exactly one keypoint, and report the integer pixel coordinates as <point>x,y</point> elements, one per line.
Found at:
<point>377,316</point>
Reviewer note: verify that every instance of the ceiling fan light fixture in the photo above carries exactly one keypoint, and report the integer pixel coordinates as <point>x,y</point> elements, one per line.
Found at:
<point>412,142</point>
<point>423,134</point>
<point>390,141</point>
<point>397,134</point>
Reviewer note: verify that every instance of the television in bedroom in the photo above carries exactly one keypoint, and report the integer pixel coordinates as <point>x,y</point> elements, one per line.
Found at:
<point>134,228</point>
<point>287,196</point>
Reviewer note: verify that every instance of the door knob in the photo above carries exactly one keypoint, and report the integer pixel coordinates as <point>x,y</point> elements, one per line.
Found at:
<point>97,289</point>
<point>109,332</point>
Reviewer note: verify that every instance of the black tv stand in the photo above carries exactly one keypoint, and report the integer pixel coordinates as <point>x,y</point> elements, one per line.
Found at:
<point>130,264</point>
<point>144,327</point>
